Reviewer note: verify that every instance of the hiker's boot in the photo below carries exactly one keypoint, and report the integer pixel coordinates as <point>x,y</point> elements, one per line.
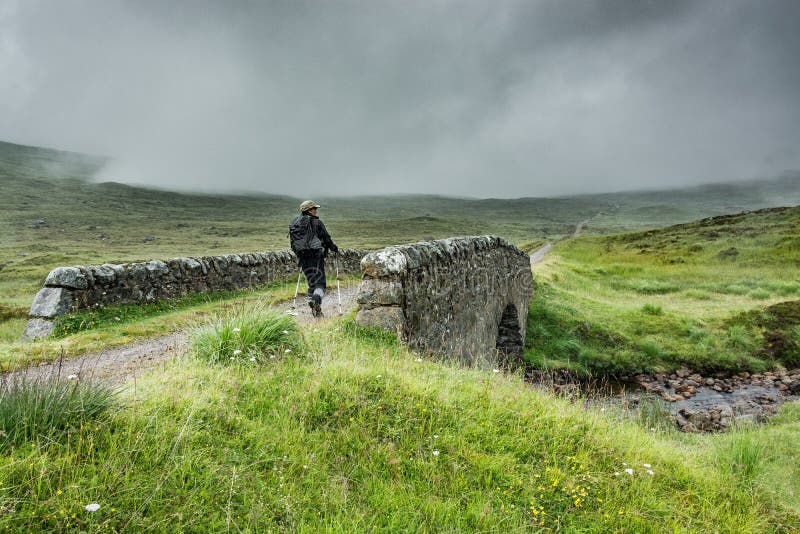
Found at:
<point>315,303</point>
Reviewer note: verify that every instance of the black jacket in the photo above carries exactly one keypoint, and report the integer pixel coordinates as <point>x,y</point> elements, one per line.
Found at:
<point>322,233</point>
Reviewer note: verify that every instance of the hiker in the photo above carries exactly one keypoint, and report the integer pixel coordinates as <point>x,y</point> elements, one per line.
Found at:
<point>311,242</point>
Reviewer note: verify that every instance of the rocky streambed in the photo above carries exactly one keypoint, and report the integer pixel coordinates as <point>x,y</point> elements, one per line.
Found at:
<point>695,403</point>
<point>714,403</point>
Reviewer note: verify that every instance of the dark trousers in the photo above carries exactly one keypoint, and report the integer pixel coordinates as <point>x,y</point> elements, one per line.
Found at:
<point>313,266</point>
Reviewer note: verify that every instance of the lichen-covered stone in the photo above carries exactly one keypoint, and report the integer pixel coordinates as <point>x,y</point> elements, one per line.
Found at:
<point>69,277</point>
<point>156,269</point>
<point>51,302</point>
<point>104,275</point>
<point>38,328</point>
<point>376,292</point>
<point>386,317</point>
<point>389,261</point>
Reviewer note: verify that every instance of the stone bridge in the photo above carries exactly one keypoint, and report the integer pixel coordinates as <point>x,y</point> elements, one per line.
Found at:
<point>69,289</point>
<point>464,297</point>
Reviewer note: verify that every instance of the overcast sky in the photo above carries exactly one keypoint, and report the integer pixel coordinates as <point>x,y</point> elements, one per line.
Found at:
<point>482,98</point>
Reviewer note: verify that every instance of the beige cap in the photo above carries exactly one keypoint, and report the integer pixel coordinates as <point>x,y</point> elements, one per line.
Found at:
<point>308,204</point>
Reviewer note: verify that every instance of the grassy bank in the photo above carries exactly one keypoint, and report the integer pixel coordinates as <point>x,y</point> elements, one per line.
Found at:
<point>711,295</point>
<point>361,435</point>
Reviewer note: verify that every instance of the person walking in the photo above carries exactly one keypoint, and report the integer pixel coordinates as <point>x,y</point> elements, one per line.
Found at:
<point>311,242</point>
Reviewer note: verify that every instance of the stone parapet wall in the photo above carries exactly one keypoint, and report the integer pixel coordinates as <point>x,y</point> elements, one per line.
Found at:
<point>463,297</point>
<point>77,288</point>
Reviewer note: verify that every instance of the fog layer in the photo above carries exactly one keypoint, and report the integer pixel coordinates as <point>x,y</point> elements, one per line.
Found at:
<point>508,98</point>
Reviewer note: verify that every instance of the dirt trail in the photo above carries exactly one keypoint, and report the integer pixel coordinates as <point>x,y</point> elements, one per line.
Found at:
<point>119,365</point>
<point>539,254</point>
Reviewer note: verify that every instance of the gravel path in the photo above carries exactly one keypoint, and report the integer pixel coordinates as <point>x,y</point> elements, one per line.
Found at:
<point>539,254</point>
<point>119,365</point>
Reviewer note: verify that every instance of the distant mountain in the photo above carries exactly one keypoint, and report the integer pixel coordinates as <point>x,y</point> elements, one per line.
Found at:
<point>42,182</point>
<point>37,162</point>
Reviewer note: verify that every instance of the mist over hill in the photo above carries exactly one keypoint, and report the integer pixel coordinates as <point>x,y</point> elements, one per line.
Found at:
<point>38,163</point>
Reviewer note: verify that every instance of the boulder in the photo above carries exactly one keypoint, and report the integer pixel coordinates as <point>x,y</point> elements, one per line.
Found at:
<point>386,317</point>
<point>70,277</point>
<point>37,328</point>
<point>51,302</point>
<point>375,292</point>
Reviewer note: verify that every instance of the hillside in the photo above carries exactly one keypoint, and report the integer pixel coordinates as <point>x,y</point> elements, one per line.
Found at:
<point>712,294</point>
<point>54,214</point>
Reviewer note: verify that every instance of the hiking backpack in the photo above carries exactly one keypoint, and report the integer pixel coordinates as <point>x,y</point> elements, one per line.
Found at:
<point>302,237</point>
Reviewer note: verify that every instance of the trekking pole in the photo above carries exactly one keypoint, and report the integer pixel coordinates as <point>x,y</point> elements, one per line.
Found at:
<point>338,287</point>
<point>296,289</point>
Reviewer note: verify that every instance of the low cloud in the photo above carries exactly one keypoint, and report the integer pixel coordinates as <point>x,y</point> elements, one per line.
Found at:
<point>513,98</point>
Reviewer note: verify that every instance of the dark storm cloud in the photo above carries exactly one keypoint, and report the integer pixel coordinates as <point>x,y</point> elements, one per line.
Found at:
<point>505,98</point>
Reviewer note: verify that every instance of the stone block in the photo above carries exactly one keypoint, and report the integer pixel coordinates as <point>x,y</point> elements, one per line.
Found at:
<point>386,317</point>
<point>389,261</point>
<point>104,275</point>
<point>38,328</point>
<point>51,302</point>
<point>157,269</point>
<point>374,292</point>
<point>70,277</point>
<point>137,273</point>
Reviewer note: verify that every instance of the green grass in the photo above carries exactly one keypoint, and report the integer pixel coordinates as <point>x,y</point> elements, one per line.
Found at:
<point>46,410</point>
<point>361,436</point>
<point>623,304</point>
<point>255,334</point>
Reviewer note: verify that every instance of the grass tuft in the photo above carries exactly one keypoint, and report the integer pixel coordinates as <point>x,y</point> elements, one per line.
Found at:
<point>46,408</point>
<point>250,334</point>
<point>652,309</point>
<point>740,453</point>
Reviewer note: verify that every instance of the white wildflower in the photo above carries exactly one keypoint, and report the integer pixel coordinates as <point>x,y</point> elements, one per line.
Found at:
<point>285,331</point>
<point>252,358</point>
<point>436,453</point>
<point>629,471</point>
<point>418,360</point>
<point>287,351</point>
<point>650,472</point>
<point>496,370</point>
<point>92,507</point>
<point>647,465</point>
<point>237,329</point>
<point>616,473</point>
<point>72,377</point>
<point>116,318</point>
<point>237,352</point>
